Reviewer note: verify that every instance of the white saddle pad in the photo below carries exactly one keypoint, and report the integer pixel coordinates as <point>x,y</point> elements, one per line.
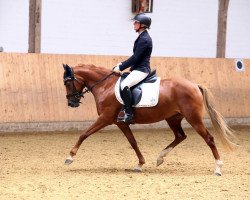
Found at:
<point>150,93</point>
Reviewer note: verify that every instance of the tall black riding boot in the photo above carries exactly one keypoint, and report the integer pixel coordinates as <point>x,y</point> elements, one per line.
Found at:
<point>127,99</point>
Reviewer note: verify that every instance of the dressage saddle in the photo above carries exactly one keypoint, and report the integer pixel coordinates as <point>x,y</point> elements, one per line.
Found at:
<point>136,89</point>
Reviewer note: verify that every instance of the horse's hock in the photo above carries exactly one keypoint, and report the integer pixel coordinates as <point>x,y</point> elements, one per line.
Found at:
<point>33,94</point>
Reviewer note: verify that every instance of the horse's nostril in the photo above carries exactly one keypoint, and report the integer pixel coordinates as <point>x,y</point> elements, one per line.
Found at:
<point>73,104</point>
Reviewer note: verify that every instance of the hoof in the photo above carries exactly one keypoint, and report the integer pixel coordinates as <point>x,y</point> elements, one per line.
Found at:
<point>218,165</point>
<point>159,161</point>
<point>137,169</point>
<point>68,161</point>
<point>217,174</point>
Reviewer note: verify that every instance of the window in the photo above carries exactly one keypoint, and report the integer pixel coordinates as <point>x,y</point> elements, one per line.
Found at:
<point>139,6</point>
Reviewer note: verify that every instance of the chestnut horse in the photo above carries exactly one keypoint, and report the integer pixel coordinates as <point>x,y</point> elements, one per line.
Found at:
<point>178,99</point>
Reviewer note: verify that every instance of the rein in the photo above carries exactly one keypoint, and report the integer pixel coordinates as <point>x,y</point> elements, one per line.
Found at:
<point>95,84</point>
<point>78,95</point>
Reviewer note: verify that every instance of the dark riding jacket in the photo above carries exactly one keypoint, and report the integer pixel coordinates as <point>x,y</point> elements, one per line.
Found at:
<point>142,50</point>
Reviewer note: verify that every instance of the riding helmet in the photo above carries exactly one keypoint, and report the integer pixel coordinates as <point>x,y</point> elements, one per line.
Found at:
<point>143,19</point>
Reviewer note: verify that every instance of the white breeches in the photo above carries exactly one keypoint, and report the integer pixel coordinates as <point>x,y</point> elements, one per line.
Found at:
<point>133,78</point>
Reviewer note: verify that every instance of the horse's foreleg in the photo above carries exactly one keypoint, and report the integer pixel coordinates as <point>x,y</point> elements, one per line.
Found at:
<point>175,124</point>
<point>99,124</point>
<point>129,135</point>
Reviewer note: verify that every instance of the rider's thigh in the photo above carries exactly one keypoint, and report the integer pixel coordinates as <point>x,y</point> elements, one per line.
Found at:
<point>133,78</point>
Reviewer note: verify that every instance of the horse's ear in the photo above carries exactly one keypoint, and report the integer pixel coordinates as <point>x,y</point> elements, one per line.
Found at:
<point>66,67</point>
<point>69,72</point>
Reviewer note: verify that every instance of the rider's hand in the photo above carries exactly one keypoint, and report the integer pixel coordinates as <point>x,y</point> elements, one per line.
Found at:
<point>117,68</point>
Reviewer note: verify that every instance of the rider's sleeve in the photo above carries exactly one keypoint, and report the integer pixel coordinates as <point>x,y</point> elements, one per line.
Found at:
<point>138,54</point>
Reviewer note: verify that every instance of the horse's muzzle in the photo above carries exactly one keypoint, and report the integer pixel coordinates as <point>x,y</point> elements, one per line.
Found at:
<point>73,104</point>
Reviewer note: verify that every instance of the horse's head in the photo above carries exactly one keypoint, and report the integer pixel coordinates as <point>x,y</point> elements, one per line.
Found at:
<point>74,87</point>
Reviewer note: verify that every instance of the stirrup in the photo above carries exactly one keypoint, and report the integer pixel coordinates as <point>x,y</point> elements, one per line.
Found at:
<point>125,117</point>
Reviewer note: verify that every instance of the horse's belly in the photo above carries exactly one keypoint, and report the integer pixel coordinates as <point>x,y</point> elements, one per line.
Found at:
<point>153,115</point>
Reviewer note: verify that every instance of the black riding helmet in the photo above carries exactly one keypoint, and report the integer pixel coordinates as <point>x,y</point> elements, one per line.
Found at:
<point>143,19</point>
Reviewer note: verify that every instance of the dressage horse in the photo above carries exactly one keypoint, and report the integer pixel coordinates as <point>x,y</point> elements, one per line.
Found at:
<point>178,99</point>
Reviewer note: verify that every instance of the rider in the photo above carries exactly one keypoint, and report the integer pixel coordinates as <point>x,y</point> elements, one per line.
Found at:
<point>138,63</point>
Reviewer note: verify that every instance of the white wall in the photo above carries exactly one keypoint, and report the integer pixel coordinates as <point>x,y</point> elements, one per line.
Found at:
<point>238,29</point>
<point>87,27</point>
<point>14,24</point>
<point>180,28</point>
<point>185,28</point>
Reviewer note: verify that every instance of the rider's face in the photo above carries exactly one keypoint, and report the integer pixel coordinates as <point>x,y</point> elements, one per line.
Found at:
<point>136,26</point>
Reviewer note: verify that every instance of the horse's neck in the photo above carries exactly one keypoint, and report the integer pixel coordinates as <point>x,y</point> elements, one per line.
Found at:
<point>92,75</point>
<point>100,84</point>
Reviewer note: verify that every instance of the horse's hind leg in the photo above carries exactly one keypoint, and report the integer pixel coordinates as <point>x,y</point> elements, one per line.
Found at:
<point>209,139</point>
<point>194,117</point>
<point>175,124</point>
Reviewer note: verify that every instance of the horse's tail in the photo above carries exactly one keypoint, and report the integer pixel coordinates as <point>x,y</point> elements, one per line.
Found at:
<point>221,128</point>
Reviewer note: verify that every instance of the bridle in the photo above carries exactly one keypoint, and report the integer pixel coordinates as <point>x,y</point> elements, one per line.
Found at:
<point>78,95</point>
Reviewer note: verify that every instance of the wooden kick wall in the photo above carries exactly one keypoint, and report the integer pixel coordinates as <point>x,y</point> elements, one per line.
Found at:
<point>32,90</point>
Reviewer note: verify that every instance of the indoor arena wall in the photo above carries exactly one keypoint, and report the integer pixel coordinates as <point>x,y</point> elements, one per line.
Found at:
<point>32,90</point>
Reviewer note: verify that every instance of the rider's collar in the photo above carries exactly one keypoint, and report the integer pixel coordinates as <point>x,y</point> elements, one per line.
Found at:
<point>142,32</point>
